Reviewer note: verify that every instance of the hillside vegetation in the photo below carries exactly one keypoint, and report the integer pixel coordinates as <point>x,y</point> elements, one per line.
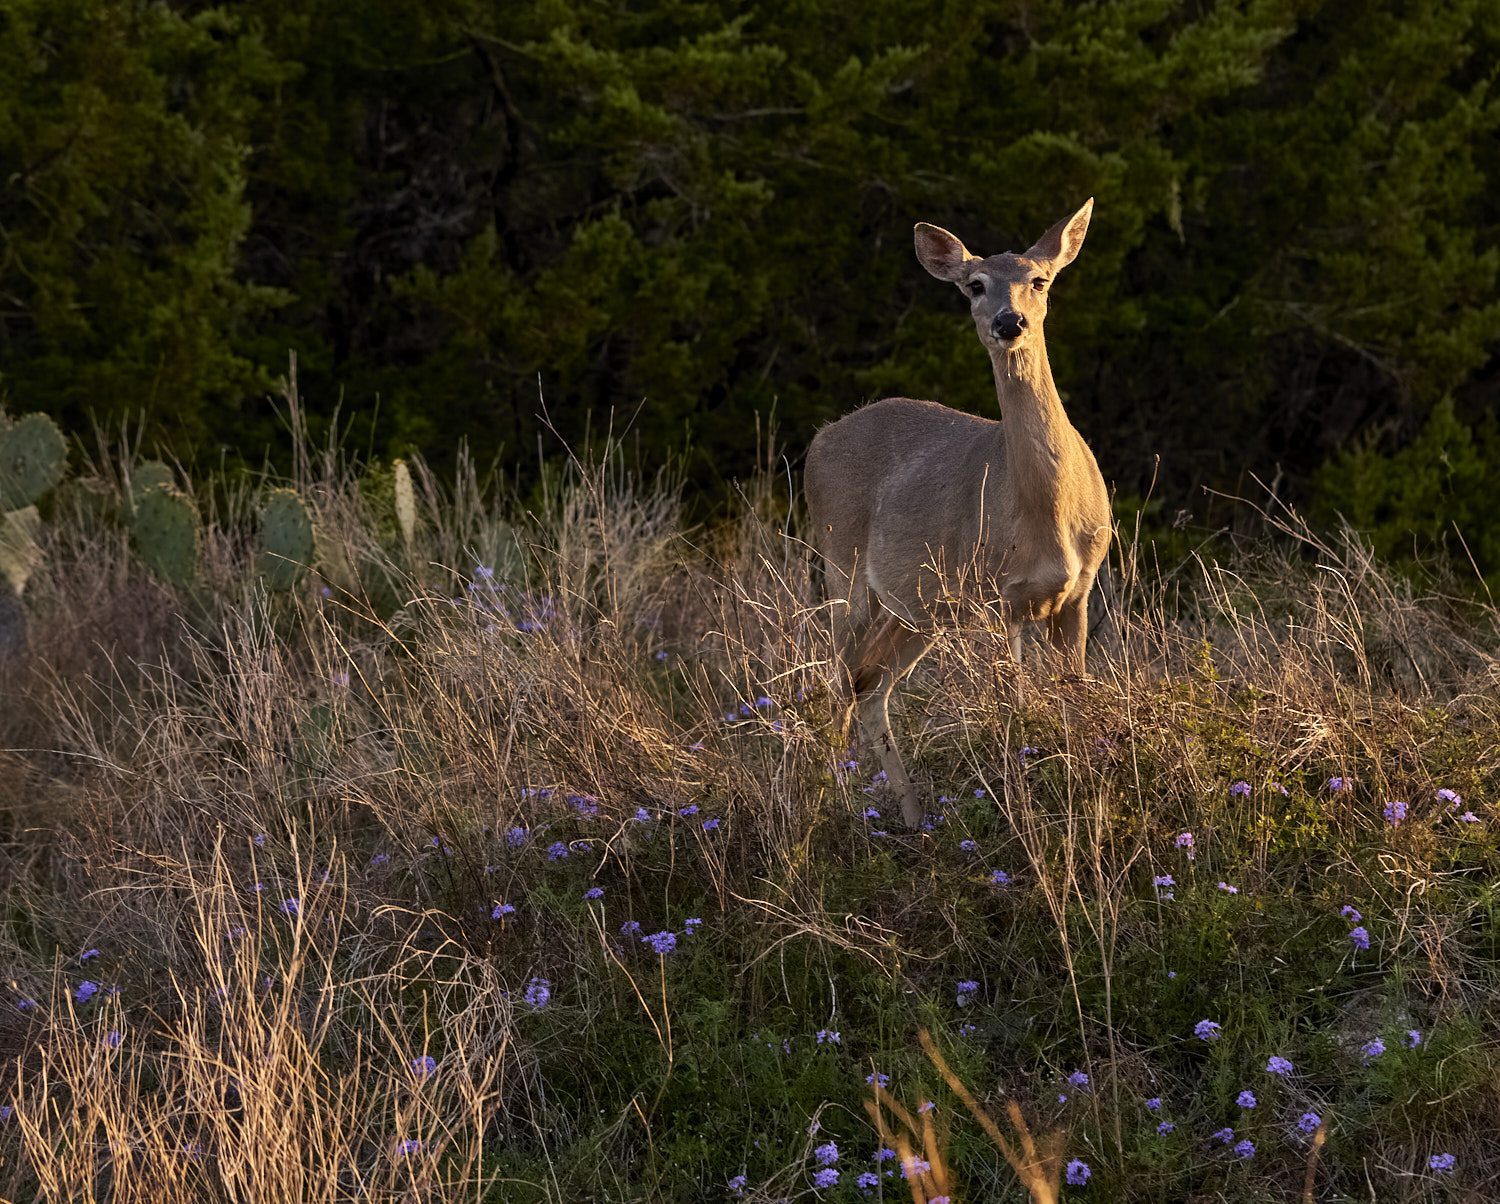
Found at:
<point>550,795</point>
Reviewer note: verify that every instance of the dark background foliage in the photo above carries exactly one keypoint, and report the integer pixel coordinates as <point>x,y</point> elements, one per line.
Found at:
<point>686,214</point>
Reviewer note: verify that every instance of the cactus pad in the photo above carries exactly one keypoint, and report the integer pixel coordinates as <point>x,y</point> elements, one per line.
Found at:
<point>33,456</point>
<point>166,533</point>
<point>286,536</point>
<point>149,474</point>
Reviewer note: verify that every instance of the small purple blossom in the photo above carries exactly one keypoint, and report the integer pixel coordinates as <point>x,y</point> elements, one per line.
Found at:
<point>979,793</point>
<point>1241,789</point>
<point>1224,1136</point>
<point>1153,1104</point>
<point>999,878</point>
<point>594,892</point>
<point>1308,1122</point>
<point>630,928</point>
<point>1244,1149</point>
<point>515,837</point>
<point>1451,797</point>
<point>1164,884</point>
<point>1186,843</point>
<point>912,1167</point>
<point>690,925</point>
<point>967,1030</point>
<point>710,824</point>
<point>1336,784</point>
<point>662,942</point>
<point>379,860</point>
<point>1350,913</point>
<point>689,811</point>
<point>1245,1099</point>
<point>827,1177</point>
<point>871,813</point>
<point>867,1182</point>
<point>1208,1030</point>
<point>1468,817</point>
<point>1413,1038</point>
<point>1372,1049</point>
<point>1278,1065</point>
<point>424,1068</point>
<point>501,910</point>
<point>557,850</point>
<point>1394,813</point>
<point>1228,889</point>
<point>878,1080</point>
<point>87,955</point>
<point>1441,1164</point>
<point>737,1185</point>
<point>1078,1172</point>
<point>925,1107</point>
<point>87,989</point>
<point>538,992</point>
<point>409,1147</point>
<point>1165,1127</point>
<point>291,906</point>
<point>1360,937</point>
<point>642,816</point>
<point>113,1039</point>
<point>968,846</point>
<point>826,1154</point>
<point>1078,1079</point>
<point>829,1036</point>
<point>967,986</point>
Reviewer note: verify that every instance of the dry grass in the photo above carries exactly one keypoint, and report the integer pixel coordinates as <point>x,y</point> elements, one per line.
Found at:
<point>366,750</point>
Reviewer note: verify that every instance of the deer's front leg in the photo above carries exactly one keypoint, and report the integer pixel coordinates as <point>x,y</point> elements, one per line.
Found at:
<point>1068,631</point>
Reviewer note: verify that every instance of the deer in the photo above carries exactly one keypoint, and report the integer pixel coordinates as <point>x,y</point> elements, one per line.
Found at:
<point>901,490</point>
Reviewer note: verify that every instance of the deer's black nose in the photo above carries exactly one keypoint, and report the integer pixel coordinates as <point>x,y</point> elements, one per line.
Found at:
<point>1008,325</point>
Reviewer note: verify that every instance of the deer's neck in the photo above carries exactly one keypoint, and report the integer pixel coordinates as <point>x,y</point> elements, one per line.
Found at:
<point>1038,435</point>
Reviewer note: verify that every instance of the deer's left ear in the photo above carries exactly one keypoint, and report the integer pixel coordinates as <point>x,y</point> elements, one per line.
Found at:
<point>1061,243</point>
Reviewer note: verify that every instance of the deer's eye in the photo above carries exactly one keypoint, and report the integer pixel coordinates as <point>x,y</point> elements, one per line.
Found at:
<point>1039,283</point>
<point>975,287</point>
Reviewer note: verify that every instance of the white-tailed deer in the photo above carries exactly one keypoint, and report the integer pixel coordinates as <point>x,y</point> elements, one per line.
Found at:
<point>913,503</point>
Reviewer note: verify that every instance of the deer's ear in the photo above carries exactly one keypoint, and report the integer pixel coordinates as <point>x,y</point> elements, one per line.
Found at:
<point>940,253</point>
<point>1061,243</point>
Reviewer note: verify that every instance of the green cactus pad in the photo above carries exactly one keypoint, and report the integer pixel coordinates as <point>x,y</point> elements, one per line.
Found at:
<point>149,474</point>
<point>286,536</point>
<point>33,457</point>
<point>166,534</point>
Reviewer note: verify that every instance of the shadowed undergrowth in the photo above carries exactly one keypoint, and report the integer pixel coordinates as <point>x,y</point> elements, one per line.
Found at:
<point>554,800</point>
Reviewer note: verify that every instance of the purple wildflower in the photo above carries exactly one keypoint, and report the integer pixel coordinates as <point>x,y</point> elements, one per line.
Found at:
<point>630,928</point>
<point>1079,1172</point>
<point>867,1182</point>
<point>1240,788</point>
<point>826,1154</point>
<point>1229,890</point>
<point>662,942</point>
<point>538,992</point>
<point>878,1080</point>
<point>594,892</point>
<point>1413,1038</point>
<point>690,925</point>
<point>968,846</point>
<point>1078,1079</point>
<point>687,812</point>
<point>643,816</point>
<point>1336,784</point>
<point>710,824</point>
<point>557,850</point>
<point>1308,1122</point>
<point>113,1039</point>
<point>379,860</point>
<point>829,1036</point>
<point>827,1177</point>
<point>1245,1099</point>
<point>409,1147</point>
<point>926,1106</point>
<point>999,878</point>
<point>913,1166</point>
<point>1165,1127</point>
<point>1224,1136</point>
<point>501,910</point>
<point>1186,842</point>
<point>424,1067</point>
<point>1245,1149</point>
<point>87,989</point>
<point>1350,913</point>
<point>291,906</point>
<point>1441,1164</point>
<point>1208,1030</point>
<point>1153,1104</point>
<point>1360,937</point>
<point>515,837</point>
<point>1468,817</point>
<point>737,1185</point>
<point>1372,1049</point>
<point>1394,813</point>
<point>1451,797</point>
<point>1278,1065</point>
<point>87,955</point>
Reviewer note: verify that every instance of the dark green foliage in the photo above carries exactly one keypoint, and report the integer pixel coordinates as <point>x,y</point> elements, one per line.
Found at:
<point>494,221</point>
<point>1438,493</point>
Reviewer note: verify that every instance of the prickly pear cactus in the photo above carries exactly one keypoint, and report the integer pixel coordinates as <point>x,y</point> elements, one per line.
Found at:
<point>286,536</point>
<point>150,474</point>
<point>166,536</point>
<point>406,501</point>
<point>33,457</point>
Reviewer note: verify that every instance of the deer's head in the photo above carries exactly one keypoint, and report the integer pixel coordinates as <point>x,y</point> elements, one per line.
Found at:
<point>1007,293</point>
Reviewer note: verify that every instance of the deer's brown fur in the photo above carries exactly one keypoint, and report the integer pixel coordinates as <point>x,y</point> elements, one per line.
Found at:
<point>912,502</point>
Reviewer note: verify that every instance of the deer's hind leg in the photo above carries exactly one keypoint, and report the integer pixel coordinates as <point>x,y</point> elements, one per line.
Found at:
<point>889,651</point>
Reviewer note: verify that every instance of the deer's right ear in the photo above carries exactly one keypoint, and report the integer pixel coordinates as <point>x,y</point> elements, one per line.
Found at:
<point>940,253</point>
